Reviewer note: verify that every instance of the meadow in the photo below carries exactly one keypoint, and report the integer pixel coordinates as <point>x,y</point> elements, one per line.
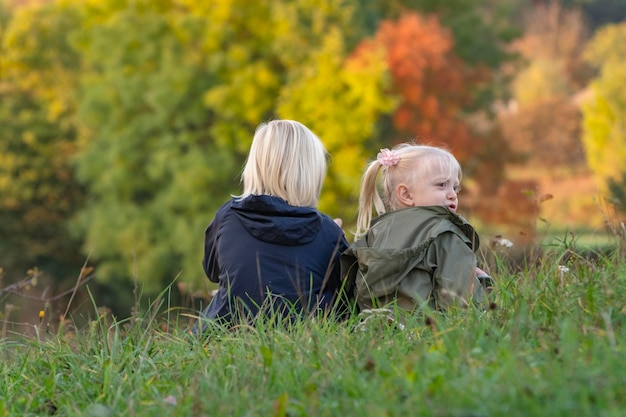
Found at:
<point>550,343</point>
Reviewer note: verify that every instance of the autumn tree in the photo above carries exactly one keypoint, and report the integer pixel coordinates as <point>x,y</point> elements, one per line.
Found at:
<point>544,118</point>
<point>127,122</point>
<point>605,112</point>
<point>474,35</point>
<point>151,106</point>
<point>479,29</point>
<point>430,80</point>
<point>546,134</point>
<point>541,121</point>
<point>334,81</point>
<point>168,113</point>
<point>545,88</point>
<point>551,47</point>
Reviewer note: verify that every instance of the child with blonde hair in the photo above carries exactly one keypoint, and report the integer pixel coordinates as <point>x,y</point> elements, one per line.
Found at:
<point>418,252</point>
<point>272,252</point>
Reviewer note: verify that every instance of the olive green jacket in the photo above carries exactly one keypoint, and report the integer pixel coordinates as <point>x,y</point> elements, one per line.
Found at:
<point>414,257</point>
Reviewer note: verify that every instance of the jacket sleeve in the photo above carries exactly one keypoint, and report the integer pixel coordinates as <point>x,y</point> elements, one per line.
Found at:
<point>335,275</point>
<point>342,248</point>
<point>343,289</point>
<point>210,262</point>
<point>454,270</point>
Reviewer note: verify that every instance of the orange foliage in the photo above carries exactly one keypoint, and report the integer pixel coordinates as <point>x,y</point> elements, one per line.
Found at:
<point>546,134</point>
<point>433,83</point>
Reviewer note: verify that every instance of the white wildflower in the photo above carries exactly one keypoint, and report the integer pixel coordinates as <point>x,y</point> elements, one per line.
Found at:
<point>504,242</point>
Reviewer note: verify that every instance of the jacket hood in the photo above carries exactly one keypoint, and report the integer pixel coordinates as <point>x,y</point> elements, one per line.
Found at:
<point>272,219</point>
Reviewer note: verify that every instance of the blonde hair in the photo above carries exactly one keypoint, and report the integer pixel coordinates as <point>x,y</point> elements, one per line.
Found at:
<point>286,160</point>
<point>410,156</point>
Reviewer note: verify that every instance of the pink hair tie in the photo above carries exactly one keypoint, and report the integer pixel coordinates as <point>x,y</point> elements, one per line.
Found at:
<point>388,158</point>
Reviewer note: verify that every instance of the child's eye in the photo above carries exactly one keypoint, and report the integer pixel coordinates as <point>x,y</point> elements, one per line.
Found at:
<point>457,189</point>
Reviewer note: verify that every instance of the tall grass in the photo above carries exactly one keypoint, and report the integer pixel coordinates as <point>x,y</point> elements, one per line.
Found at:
<point>551,343</point>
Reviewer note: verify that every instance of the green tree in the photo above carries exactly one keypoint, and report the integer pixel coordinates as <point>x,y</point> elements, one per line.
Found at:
<point>158,158</point>
<point>38,191</point>
<point>604,134</point>
<point>168,113</point>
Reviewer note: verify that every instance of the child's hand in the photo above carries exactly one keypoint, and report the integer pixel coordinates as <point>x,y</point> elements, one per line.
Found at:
<point>484,279</point>
<point>338,221</point>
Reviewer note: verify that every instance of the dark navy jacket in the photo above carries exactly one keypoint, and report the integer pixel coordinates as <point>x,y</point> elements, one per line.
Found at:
<point>264,252</point>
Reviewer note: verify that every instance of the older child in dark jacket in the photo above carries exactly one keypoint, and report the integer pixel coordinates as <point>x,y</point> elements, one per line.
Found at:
<point>271,251</point>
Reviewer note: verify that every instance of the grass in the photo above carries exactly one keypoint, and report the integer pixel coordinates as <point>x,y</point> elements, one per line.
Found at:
<point>551,344</point>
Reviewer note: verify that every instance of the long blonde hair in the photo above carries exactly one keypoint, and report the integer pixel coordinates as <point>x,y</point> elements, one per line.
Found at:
<point>409,157</point>
<point>286,160</point>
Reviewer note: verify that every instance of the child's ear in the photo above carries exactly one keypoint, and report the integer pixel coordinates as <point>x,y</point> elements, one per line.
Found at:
<point>404,195</point>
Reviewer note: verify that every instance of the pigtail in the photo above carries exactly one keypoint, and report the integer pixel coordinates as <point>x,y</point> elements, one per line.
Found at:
<point>369,197</point>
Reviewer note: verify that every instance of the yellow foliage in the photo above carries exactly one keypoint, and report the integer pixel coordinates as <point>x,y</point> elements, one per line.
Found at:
<point>340,100</point>
<point>541,80</point>
<point>32,64</point>
<point>604,131</point>
<point>29,138</point>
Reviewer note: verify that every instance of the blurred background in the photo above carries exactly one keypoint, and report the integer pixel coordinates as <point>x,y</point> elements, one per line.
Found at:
<point>124,125</point>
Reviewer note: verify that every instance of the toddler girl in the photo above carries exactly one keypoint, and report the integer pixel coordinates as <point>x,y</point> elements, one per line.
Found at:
<point>418,252</point>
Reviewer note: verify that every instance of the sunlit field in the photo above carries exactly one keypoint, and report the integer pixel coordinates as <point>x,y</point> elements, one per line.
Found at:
<point>549,343</point>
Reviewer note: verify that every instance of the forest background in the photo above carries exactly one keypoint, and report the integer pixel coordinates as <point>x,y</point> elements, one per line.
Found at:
<point>124,123</point>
